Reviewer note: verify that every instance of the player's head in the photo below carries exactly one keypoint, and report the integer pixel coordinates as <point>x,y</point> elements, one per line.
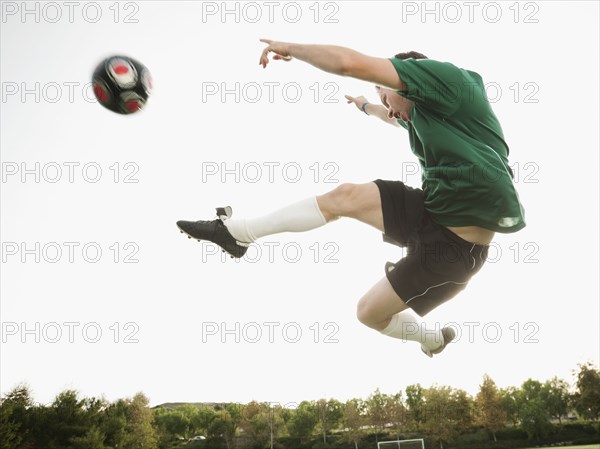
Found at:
<point>397,105</point>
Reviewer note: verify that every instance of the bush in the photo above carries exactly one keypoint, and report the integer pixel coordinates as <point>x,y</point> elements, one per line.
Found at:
<point>477,439</point>
<point>511,433</point>
<point>578,428</point>
<point>322,445</point>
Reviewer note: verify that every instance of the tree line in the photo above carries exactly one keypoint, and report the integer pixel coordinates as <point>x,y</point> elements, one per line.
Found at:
<point>440,414</point>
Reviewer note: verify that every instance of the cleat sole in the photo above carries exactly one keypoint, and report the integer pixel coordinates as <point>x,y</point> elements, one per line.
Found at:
<point>246,245</point>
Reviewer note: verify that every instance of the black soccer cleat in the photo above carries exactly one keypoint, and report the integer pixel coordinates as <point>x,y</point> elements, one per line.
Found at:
<point>448,334</point>
<point>215,231</point>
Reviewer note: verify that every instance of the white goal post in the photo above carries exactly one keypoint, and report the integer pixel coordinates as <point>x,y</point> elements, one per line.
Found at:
<point>402,444</point>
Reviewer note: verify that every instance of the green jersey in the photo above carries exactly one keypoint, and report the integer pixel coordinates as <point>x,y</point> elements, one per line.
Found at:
<point>460,145</point>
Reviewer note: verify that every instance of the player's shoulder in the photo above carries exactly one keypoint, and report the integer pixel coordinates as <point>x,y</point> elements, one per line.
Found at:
<point>456,73</point>
<point>434,67</point>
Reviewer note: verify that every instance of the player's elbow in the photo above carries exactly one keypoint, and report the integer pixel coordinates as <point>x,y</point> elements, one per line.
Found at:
<point>347,66</point>
<point>353,65</point>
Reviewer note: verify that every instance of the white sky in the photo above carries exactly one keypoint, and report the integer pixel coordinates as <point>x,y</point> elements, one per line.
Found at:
<point>540,60</point>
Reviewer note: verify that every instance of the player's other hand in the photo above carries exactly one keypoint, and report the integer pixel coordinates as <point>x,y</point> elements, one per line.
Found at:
<point>279,48</point>
<point>358,101</point>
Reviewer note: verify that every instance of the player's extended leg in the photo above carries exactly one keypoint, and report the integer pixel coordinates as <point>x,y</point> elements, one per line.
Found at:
<point>383,310</point>
<point>380,308</point>
<point>359,201</point>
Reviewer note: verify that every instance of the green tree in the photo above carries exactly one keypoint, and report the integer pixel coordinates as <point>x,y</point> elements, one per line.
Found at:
<point>490,413</point>
<point>10,436</point>
<point>139,430</point>
<point>66,419</point>
<point>235,418</point>
<point>303,421</point>
<point>329,413</point>
<point>509,400</point>
<point>532,409</point>
<point>114,423</point>
<point>587,397</point>
<point>376,411</point>
<point>448,412</point>
<point>462,410</point>
<point>92,439</point>
<point>223,426</point>
<point>556,397</point>
<point>353,418</point>
<point>170,425</point>
<point>201,418</point>
<point>277,418</point>
<point>395,412</point>
<point>14,416</point>
<point>437,423</point>
<point>415,405</point>
<point>262,423</point>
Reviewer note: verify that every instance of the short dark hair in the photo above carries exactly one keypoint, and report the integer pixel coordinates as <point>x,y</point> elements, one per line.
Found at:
<point>411,54</point>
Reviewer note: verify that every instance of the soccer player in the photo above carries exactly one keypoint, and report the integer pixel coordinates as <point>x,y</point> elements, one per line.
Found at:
<point>467,190</point>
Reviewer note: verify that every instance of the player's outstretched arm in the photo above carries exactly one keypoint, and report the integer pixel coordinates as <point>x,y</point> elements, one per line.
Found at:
<point>338,60</point>
<point>375,110</point>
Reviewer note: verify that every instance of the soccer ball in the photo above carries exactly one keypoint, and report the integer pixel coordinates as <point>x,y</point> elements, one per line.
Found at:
<point>122,84</point>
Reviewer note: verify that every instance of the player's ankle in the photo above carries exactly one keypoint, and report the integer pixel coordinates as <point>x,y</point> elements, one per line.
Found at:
<point>237,228</point>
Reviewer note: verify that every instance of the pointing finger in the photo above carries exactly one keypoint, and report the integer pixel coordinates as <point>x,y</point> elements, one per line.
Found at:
<point>264,59</point>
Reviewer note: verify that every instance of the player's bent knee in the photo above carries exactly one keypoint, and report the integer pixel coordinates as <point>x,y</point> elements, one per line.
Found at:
<point>339,201</point>
<point>364,314</point>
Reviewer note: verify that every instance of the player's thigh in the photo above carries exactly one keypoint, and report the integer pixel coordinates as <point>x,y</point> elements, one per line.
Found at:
<point>359,201</point>
<point>379,304</point>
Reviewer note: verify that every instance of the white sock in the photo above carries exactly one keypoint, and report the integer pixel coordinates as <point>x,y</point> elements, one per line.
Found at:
<point>405,326</point>
<point>298,217</point>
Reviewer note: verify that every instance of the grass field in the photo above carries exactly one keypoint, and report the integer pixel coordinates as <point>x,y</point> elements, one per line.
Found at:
<point>590,446</point>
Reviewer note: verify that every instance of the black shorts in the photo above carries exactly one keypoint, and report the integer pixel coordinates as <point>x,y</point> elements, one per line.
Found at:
<point>438,263</point>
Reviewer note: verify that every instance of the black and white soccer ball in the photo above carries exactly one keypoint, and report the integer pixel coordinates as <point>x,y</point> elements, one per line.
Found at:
<point>122,84</point>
